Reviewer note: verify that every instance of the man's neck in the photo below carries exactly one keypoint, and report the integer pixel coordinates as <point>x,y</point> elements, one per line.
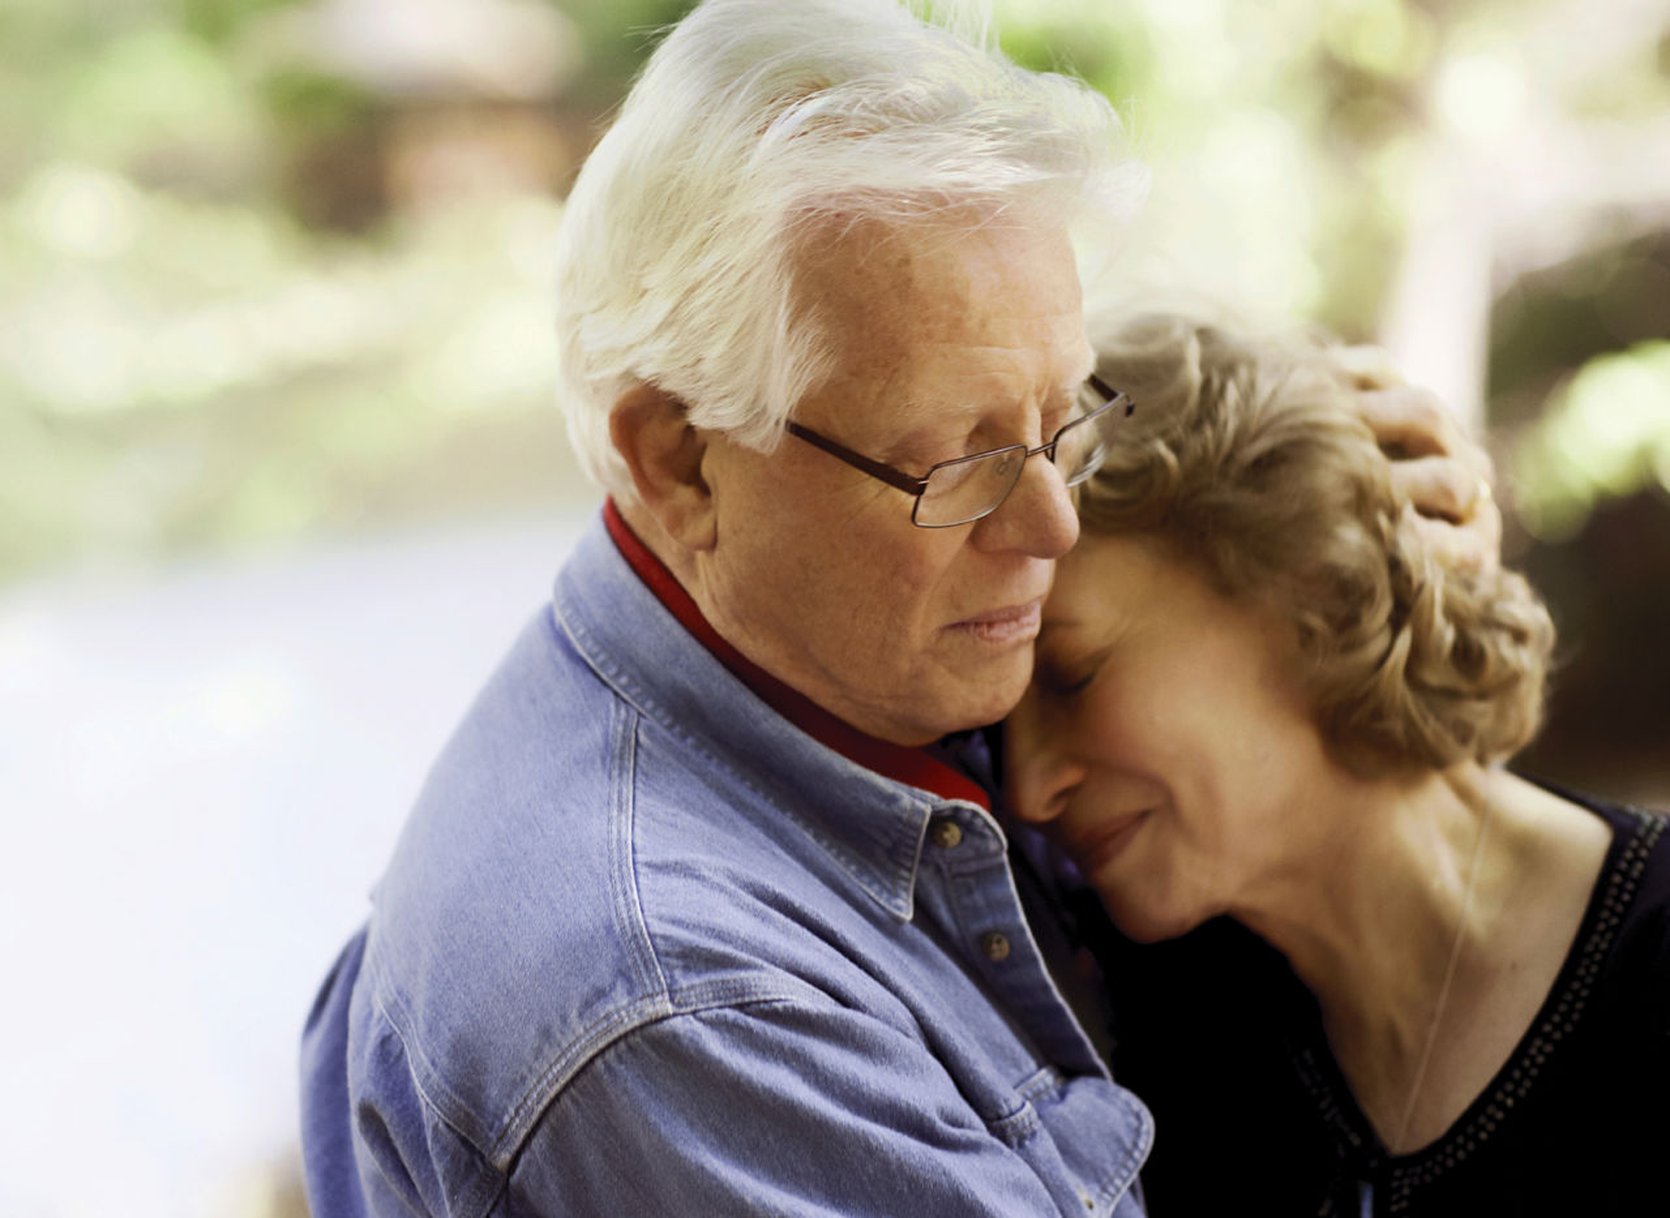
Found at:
<point>636,533</point>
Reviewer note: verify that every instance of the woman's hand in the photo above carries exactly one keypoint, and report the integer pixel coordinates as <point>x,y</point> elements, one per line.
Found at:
<point>1443,474</point>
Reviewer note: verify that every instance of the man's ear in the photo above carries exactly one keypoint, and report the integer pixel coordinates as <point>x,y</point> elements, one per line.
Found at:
<point>664,453</point>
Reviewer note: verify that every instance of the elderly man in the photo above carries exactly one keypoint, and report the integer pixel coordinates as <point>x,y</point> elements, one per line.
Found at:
<point>704,910</point>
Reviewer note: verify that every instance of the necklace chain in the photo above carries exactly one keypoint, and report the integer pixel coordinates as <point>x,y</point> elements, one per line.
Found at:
<point>1449,979</point>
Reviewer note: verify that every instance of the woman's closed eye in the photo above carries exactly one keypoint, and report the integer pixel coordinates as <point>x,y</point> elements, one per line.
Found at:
<point>1062,679</point>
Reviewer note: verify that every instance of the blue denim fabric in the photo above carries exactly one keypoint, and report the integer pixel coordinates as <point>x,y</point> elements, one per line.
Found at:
<point>646,948</point>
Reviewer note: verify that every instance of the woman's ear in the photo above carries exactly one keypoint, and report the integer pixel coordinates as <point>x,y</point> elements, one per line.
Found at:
<point>664,454</point>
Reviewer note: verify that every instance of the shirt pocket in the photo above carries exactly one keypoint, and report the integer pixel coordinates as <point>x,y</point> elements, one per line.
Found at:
<point>1089,1138</point>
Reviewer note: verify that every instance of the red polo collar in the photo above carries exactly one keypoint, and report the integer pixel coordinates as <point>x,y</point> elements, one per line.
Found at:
<point>915,766</point>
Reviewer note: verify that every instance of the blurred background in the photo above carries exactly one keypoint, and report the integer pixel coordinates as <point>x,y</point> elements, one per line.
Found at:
<point>280,470</point>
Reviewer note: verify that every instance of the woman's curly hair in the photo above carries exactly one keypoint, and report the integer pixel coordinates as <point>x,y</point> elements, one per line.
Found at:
<point>1249,459</point>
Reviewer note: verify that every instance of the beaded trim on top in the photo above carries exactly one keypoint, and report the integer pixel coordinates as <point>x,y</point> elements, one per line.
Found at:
<point>1560,1015</point>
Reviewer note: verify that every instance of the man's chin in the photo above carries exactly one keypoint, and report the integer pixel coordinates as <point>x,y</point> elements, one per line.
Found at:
<point>982,704</point>
<point>961,698</point>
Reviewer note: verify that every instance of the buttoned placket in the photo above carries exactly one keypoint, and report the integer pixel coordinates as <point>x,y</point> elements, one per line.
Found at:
<point>965,882</point>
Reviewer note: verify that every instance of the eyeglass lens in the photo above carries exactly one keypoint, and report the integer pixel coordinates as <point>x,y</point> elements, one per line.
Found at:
<point>967,490</point>
<point>964,491</point>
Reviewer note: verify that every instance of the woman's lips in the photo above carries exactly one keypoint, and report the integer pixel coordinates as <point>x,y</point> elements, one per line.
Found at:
<point>1093,851</point>
<point>1011,624</point>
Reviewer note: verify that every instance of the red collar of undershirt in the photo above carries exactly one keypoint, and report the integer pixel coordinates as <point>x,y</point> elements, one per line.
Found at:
<point>914,766</point>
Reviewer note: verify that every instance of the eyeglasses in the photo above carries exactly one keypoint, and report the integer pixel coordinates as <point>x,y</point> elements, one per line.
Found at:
<point>967,489</point>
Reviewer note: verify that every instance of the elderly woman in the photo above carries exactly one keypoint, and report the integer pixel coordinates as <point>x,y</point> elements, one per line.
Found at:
<point>1267,723</point>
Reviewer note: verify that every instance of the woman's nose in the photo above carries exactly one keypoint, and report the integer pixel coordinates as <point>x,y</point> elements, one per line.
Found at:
<point>1039,776</point>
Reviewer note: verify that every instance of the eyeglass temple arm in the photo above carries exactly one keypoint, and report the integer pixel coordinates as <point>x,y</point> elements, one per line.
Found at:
<point>916,486</point>
<point>1111,394</point>
<point>889,475</point>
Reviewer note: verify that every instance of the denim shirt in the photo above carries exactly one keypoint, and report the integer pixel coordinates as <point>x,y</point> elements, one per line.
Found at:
<point>647,948</point>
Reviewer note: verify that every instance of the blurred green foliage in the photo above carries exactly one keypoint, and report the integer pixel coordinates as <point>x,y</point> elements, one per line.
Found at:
<point>183,362</point>
<point>236,306</point>
<point>1607,436</point>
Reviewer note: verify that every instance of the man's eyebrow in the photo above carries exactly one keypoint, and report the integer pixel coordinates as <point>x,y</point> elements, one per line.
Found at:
<point>917,444</point>
<point>924,441</point>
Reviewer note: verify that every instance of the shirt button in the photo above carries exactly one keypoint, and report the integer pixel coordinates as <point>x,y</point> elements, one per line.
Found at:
<point>945,833</point>
<point>996,945</point>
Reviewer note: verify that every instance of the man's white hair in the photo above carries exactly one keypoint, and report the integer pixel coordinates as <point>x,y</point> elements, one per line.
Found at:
<point>753,120</point>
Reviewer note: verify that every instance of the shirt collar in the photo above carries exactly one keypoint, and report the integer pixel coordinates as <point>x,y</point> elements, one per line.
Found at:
<point>871,825</point>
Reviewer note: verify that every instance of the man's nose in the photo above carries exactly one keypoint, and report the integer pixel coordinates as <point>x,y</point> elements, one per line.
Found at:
<point>1037,517</point>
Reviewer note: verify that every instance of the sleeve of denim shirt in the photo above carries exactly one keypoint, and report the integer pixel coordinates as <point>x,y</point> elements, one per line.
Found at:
<point>778,1107</point>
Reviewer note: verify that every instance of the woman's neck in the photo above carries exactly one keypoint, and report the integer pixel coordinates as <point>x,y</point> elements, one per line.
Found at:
<point>1430,922</point>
